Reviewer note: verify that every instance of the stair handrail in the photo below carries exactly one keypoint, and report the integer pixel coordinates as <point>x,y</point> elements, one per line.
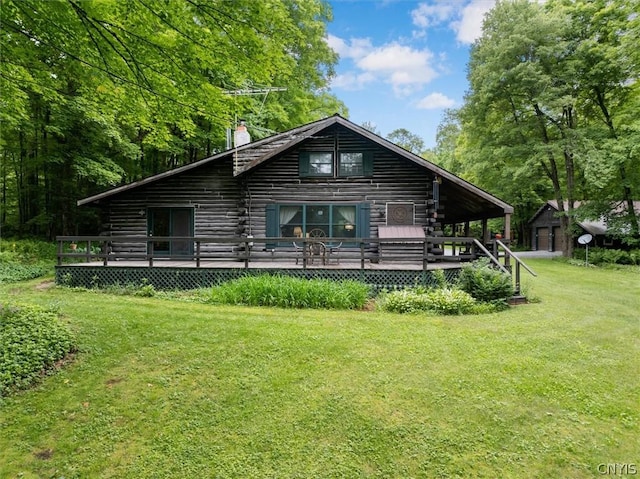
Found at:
<point>491,257</point>
<point>518,260</point>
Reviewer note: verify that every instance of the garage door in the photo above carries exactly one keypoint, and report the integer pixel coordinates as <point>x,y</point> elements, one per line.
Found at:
<point>542,239</point>
<point>558,239</point>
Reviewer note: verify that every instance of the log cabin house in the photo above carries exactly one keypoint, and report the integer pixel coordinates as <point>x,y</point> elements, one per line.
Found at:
<point>330,182</point>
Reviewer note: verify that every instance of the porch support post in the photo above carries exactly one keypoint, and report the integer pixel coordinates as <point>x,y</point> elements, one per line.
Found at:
<point>507,226</point>
<point>467,246</point>
<point>485,232</point>
<point>507,238</point>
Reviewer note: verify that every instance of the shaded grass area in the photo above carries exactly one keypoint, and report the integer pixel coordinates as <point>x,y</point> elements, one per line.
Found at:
<point>170,389</point>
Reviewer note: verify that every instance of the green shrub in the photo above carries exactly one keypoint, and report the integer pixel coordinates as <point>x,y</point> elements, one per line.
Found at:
<point>25,259</point>
<point>32,340</point>
<point>11,271</point>
<point>404,301</point>
<point>437,301</point>
<point>601,256</point>
<point>485,283</point>
<point>26,250</point>
<point>288,292</point>
<point>450,301</point>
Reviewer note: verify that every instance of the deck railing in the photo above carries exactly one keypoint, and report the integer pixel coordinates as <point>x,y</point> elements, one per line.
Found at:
<point>205,251</point>
<point>247,249</point>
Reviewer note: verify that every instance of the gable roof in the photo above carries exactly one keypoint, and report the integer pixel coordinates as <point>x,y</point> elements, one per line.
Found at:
<point>595,227</point>
<point>476,203</point>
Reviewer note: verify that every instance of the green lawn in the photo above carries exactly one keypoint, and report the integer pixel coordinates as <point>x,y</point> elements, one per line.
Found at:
<point>173,389</point>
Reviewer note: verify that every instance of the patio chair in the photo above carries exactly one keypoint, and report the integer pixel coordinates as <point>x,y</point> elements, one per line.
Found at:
<point>299,250</point>
<point>317,250</point>
<point>333,250</point>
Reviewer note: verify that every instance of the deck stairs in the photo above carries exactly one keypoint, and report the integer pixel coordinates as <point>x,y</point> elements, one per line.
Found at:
<point>502,251</point>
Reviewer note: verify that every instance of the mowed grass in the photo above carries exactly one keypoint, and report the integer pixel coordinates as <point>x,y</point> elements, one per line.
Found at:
<point>172,389</point>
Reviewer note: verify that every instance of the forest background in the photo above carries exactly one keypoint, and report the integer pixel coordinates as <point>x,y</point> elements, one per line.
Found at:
<point>98,93</point>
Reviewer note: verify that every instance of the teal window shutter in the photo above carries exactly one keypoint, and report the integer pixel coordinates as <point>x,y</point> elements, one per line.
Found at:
<point>272,226</point>
<point>364,220</point>
<point>367,166</point>
<point>303,163</point>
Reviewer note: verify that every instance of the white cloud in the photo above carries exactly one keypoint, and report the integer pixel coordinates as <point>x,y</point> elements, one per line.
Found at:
<point>464,17</point>
<point>427,15</point>
<point>435,101</point>
<point>356,48</point>
<point>469,27</point>
<point>405,68</point>
<point>352,80</point>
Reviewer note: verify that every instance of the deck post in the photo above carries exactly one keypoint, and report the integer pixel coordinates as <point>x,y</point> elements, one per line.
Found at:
<point>485,232</point>
<point>425,255</point>
<point>197,254</point>
<point>150,254</point>
<point>507,237</point>
<point>361,255</point>
<point>105,251</point>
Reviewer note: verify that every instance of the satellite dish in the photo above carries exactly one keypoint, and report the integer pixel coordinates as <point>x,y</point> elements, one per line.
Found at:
<point>585,239</point>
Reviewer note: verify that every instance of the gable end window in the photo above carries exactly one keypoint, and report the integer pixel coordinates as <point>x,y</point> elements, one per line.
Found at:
<point>351,164</point>
<point>321,164</point>
<point>316,163</point>
<point>355,163</point>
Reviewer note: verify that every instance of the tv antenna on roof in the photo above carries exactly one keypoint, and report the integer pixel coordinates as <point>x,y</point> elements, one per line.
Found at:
<point>249,92</point>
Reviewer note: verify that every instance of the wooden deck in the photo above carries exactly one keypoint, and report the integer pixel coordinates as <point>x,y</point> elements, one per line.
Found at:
<point>383,263</point>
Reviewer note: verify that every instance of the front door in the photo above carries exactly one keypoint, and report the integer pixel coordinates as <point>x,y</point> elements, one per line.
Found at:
<point>169,222</point>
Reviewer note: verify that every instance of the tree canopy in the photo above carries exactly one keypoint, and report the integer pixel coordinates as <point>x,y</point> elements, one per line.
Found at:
<point>99,92</point>
<point>550,109</point>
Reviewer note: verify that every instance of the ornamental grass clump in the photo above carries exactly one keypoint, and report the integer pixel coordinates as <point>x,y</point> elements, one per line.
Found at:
<point>32,340</point>
<point>288,292</point>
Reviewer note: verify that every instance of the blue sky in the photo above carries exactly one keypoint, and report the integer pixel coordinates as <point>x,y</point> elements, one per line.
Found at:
<point>402,62</point>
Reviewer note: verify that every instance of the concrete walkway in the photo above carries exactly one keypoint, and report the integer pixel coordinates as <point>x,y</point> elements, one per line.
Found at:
<point>538,254</point>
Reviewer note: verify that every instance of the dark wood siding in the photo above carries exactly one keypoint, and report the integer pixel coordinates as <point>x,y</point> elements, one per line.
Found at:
<point>393,180</point>
<point>211,191</point>
<point>226,206</point>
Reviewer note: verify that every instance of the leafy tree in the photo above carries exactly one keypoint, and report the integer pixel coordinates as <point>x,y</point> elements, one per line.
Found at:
<point>96,93</point>
<point>407,140</point>
<point>367,125</point>
<point>541,91</point>
<point>607,72</point>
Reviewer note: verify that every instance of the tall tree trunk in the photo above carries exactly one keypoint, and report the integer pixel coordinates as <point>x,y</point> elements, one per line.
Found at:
<point>627,195</point>
<point>567,115</point>
<point>552,172</point>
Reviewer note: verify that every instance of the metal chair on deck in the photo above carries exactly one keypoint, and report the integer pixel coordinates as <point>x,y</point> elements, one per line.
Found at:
<point>332,250</point>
